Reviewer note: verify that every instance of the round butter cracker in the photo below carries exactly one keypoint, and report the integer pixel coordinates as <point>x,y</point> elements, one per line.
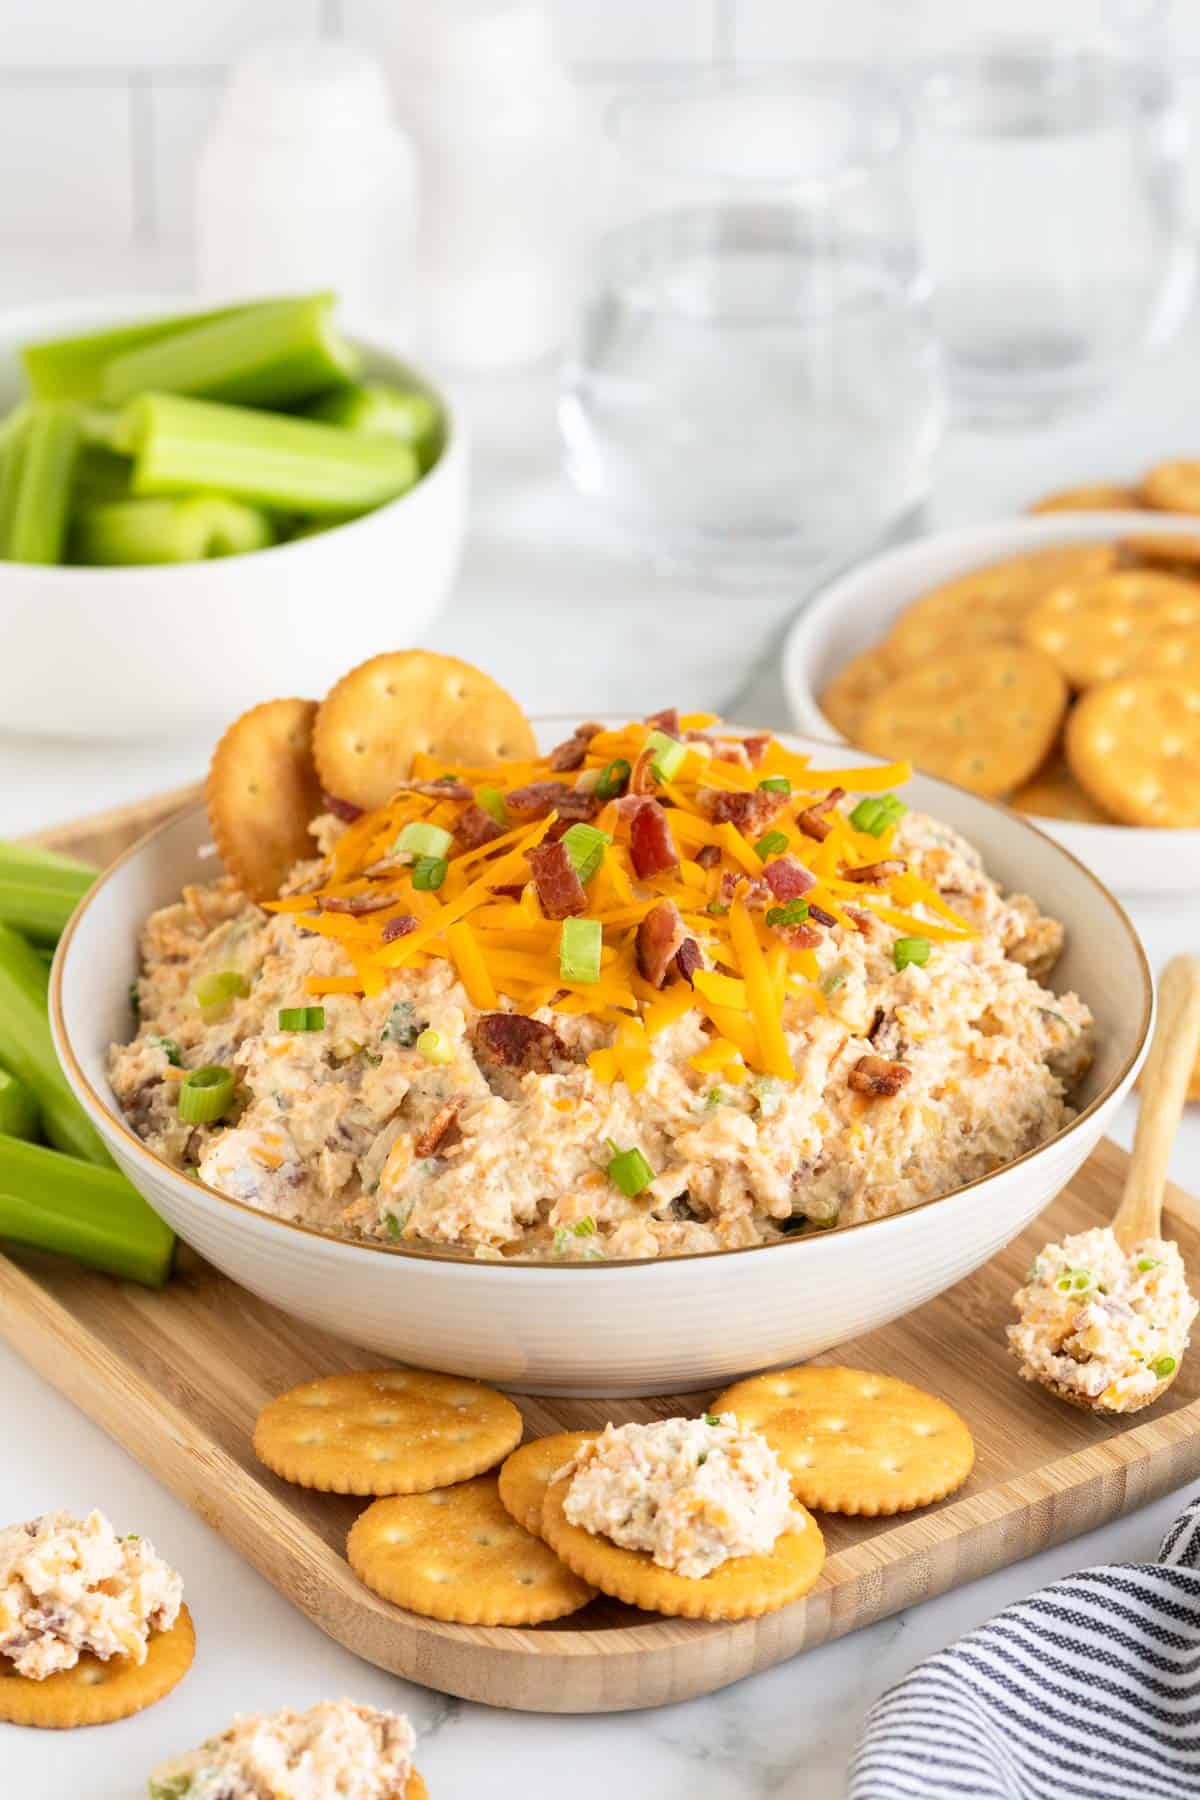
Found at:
<point>262,793</point>
<point>1054,793</point>
<point>385,1431</point>
<point>1134,745</point>
<point>1173,486</point>
<point>1098,496</point>
<point>988,605</point>
<point>525,1475</point>
<point>985,718</point>
<point>410,702</point>
<point>99,1693</point>
<point>1174,653</point>
<point>455,1553</point>
<point>1163,549</point>
<point>745,1587</point>
<point>1094,629</point>
<point>855,1442</point>
<point>844,699</point>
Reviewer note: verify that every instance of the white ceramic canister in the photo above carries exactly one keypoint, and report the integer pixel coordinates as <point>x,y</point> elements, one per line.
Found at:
<point>306,182</point>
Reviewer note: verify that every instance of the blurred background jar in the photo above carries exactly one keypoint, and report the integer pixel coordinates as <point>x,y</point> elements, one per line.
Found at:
<point>306,182</point>
<point>753,378</point>
<point>1047,178</point>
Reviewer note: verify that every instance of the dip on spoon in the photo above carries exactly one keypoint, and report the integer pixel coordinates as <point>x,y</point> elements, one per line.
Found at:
<point>1104,1317</point>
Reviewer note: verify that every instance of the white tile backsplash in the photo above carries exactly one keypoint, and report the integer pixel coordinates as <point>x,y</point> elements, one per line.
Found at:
<point>129,34</point>
<point>66,153</point>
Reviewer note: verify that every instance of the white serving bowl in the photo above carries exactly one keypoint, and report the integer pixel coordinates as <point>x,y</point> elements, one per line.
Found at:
<point>660,1327</point>
<point>857,610</point>
<point>120,654</point>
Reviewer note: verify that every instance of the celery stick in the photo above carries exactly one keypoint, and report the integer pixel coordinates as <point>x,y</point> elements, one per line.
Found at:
<point>71,368</point>
<point>12,464</point>
<point>100,475</point>
<point>275,356</point>
<point>19,1116</point>
<point>26,1050</point>
<point>36,856</point>
<point>39,521</point>
<point>295,465</point>
<point>38,892</point>
<point>104,427</point>
<point>52,1202</point>
<point>385,410</point>
<point>170,531</point>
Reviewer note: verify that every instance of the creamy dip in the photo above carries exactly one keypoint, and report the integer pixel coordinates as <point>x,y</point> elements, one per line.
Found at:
<point>1106,1325</point>
<point>690,1492</point>
<point>71,1585</point>
<point>334,1751</point>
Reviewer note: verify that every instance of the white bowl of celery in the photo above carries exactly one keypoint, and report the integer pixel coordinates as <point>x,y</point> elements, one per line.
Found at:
<point>201,509</point>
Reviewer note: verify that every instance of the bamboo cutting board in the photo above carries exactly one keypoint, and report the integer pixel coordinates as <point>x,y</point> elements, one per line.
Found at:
<point>178,1378</point>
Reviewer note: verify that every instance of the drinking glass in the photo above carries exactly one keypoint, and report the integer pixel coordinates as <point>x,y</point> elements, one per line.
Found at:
<point>754,377</point>
<point>1047,177</point>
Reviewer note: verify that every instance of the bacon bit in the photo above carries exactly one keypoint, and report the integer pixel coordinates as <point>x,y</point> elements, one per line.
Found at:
<point>345,810</point>
<point>688,958</point>
<point>660,936</point>
<point>441,1122</point>
<point>355,904</point>
<point>399,927</point>
<point>755,747</point>
<point>787,878</point>
<point>708,856</point>
<point>861,921</point>
<point>641,777</point>
<point>474,828</point>
<point>536,800</point>
<point>748,813</point>
<point>874,872</point>
<point>821,917</point>
<point>558,886</point>
<point>508,890</point>
<point>813,822</point>
<point>513,1041</point>
<point>666,720</point>
<point>444,788</point>
<point>571,752</point>
<point>651,846</point>
<point>798,937</point>
<point>754,892</point>
<point>876,1076</point>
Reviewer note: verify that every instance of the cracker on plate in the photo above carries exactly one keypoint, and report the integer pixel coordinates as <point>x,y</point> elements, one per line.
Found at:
<point>525,1475</point>
<point>95,1692</point>
<point>262,794</point>
<point>987,605</point>
<point>1054,793</point>
<point>1135,746</point>
<point>844,699</point>
<point>1094,628</point>
<point>1174,486</point>
<point>1097,496</point>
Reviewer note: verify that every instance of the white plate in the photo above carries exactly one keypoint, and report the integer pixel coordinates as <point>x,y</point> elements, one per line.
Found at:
<point>857,610</point>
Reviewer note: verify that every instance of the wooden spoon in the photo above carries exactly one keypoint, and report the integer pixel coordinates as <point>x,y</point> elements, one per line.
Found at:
<point>1164,1086</point>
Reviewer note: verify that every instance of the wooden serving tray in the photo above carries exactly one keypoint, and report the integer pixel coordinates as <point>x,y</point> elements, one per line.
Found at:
<point>178,1378</point>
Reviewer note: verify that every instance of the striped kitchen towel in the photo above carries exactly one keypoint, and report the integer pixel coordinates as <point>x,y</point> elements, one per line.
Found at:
<point>1089,1690</point>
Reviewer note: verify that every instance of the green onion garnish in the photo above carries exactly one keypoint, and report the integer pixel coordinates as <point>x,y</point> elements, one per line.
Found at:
<point>831,982</point>
<point>433,1047</point>
<point>714,1097</point>
<point>492,802</point>
<point>718,908</point>
<point>585,1227</point>
<point>429,872</point>
<point>394,1227</point>
<point>794,912</point>
<point>205,1094</point>
<point>613,780</point>
<point>216,990</point>
<point>422,839</point>
<point>170,1050</point>
<point>1147,1262</point>
<point>770,845</point>
<point>666,755</point>
<point>712,1419</point>
<point>629,1171</point>
<point>302,1018</point>
<point>1074,1281</point>
<point>400,1028</point>
<point>579,949</point>
<point>1165,1366</point>
<point>874,814</point>
<point>775,784</point>
<point>910,950</point>
<point>585,846</point>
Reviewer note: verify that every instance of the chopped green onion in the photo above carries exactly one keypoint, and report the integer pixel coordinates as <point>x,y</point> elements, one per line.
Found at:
<point>717,908</point>
<point>910,950</point>
<point>421,839</point>
<point>613,780</point>
<point>302,1018</point>
<point>770,845</point>
<point>585,846</point>
<point>714,1097</point>
<point>216,990</point>
<point>579,949</point>
<point>629,1171</point>
<point>666,755</point>
<point>170,1050</point>
<point>1147,1262</point>
<point>267,356</point>
<point>205,1094</point>
<point>831,982</point>
<point>492,802</point>
<point>793,913</point>
<point>1074,1281</point>
<point>712,1418</point>
<point>1166,1365</point>
<point>400,1028</point>
<point>19,1114</point>
<point>775,784</point>
<point>585,1227</point>
<point>433,1047</point>
<point>429,872</point>
<point>874,814</point>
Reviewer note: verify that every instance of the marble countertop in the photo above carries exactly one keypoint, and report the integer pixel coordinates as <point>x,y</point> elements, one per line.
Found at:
<point>543,576</point>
